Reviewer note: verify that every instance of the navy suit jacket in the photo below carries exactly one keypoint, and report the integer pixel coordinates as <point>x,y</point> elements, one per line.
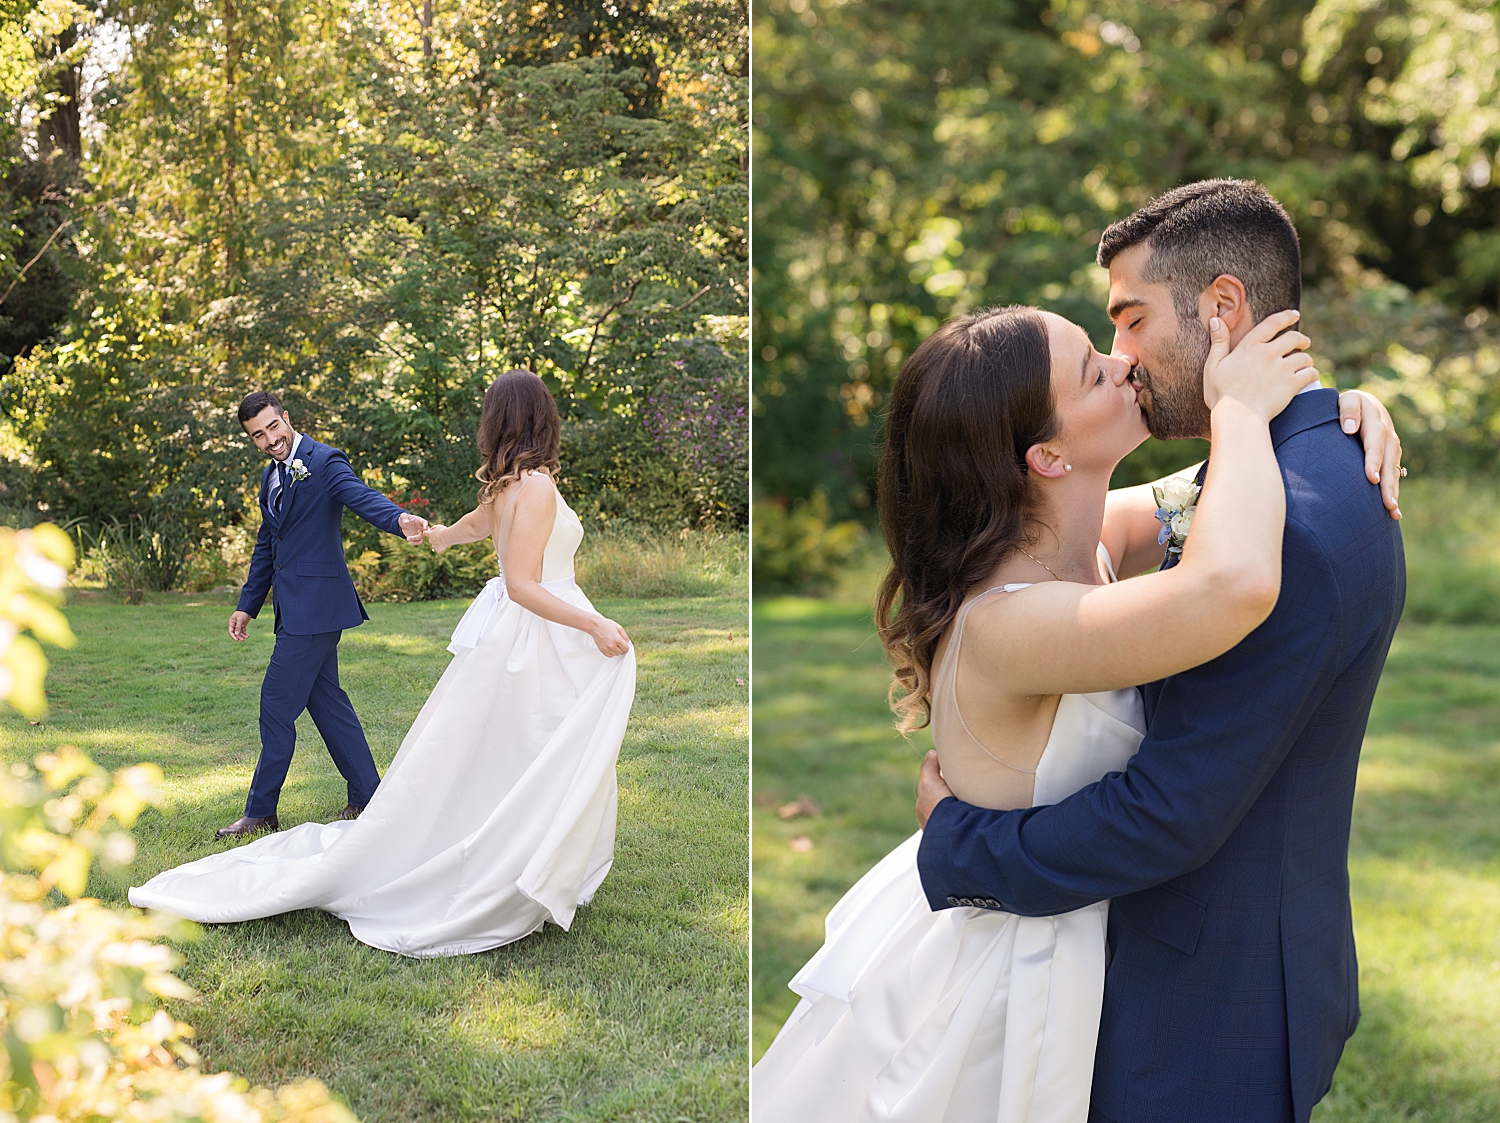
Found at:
<point>1232,984</point>
<point>301,551</point>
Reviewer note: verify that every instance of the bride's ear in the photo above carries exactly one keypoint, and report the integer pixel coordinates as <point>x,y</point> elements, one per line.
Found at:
<point>1047,462</point>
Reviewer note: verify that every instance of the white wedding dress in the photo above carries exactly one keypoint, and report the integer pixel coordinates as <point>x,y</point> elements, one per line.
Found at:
<point>497,815</point>
<point>966,1015</point>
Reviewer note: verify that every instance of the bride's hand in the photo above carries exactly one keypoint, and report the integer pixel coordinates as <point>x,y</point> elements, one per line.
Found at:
<point>435,538</point>
<point>1264,372</point>
<point>609,637</point>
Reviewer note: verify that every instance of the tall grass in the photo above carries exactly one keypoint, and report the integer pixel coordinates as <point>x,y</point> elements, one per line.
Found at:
<point>627,561</point>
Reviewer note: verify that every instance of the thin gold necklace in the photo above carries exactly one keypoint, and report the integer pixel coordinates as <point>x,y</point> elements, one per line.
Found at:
<point>1041,563</point>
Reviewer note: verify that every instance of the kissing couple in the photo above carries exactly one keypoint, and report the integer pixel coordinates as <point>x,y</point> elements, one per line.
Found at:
<point>497,815</point>
<point>1129,902</point>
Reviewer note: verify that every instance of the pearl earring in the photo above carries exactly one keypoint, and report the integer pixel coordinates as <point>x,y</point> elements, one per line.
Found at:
<point>1067,467</point>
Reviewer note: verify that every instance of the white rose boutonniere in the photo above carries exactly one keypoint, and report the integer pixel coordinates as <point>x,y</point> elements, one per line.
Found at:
<point>299,471</point>
<point>1176,500</point>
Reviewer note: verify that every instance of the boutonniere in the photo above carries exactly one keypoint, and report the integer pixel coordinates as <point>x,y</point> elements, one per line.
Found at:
<point>299,471</point>
<point>1176,500</point>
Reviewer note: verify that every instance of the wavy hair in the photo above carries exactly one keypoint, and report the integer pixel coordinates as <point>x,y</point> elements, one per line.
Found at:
<point>519,431</point>
<point>953,491</point>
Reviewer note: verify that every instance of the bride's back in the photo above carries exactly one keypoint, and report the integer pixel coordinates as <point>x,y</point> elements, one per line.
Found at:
<point>992,743</point>
<point>563,541</point>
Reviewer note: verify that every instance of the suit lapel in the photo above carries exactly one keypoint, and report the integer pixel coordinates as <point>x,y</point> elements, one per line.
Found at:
<point>291,484</point>
<point>265,495</point>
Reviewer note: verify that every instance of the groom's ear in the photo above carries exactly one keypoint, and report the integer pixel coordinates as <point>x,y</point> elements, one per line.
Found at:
<point>1225,298</point>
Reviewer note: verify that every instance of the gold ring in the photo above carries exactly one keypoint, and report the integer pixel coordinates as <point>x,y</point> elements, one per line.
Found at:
<point>1403,473</point>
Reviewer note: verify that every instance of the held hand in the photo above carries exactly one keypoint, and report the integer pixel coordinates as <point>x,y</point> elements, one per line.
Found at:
<point>239,626</point>
<point>436,539</point>
<point>609,637</point>
<point>1264,372</point>
<point>932,789</point>
<point>1363,413</point>
<point>413,526</point>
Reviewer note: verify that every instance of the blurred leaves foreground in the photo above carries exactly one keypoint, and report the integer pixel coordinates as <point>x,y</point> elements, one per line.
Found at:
<point>80,984</point>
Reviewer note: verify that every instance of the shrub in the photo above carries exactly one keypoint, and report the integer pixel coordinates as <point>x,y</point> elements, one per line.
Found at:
<point>141,553</point>
<point>398,571</point>
<point>798,549</point>
<point>222,556</point>
<point>87,1039</point>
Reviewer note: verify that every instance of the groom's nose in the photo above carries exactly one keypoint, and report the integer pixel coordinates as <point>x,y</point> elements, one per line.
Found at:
<point>1120,366</point>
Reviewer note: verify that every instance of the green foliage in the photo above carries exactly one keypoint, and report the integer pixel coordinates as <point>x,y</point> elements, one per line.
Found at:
<point>617,559</point>
<point>913,161</point>
<point>398,571</point>
<point>139,553</point>
<point>799,548</point>
<point>373,219</point>
<point>1451,531</point>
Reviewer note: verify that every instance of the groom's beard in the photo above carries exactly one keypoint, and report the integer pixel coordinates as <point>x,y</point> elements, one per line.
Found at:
<point>1172,389</point>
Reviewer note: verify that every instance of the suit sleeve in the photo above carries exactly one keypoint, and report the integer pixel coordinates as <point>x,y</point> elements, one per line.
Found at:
<point>358,496</point>
<point>1220,732</point>
<point>258,581</point>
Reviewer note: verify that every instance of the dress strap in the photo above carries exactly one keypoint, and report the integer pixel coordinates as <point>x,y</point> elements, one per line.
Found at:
<point>950,687</point>
<point>1109,565</point>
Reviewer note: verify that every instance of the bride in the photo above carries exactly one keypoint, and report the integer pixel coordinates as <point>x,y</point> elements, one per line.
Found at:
<point>498,813</point>
<point>1026,670</point>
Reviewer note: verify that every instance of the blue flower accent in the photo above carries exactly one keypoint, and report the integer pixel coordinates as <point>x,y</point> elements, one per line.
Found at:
<point>1166,533</point>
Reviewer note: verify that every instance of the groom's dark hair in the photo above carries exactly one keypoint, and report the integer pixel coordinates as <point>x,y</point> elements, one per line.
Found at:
<point>1201,231</point>
<point>256,402</point>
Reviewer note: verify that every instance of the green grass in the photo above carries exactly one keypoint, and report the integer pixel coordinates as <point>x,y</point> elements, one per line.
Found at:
<point>1425,851</point>
<point>636,1014</point>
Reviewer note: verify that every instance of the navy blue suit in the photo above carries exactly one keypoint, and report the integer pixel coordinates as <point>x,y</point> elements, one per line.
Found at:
<point>300,553</point>
<point>1232,984</point>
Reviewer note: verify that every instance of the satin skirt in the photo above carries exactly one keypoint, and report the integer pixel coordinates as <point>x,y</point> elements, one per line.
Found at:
<point>496,816</point>
<point>961,1016</point>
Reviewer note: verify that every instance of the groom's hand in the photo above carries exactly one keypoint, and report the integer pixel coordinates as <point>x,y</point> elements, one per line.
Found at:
<point>239,626</point>
<point>413,526</point>
<point>932,789</point>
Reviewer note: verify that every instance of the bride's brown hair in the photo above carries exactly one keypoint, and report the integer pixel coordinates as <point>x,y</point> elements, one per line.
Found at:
<point>953,488</point>
<point>519,431</point>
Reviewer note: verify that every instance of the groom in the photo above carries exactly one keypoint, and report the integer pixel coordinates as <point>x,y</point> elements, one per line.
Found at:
<point>1232,982</point>
<point>300,553</point>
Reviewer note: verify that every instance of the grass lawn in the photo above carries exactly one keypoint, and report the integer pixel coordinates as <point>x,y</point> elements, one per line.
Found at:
<point>1424,861</point>
<point>638,1013</point>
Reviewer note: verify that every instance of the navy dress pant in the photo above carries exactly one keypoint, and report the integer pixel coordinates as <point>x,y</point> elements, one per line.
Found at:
<point>304,675</point>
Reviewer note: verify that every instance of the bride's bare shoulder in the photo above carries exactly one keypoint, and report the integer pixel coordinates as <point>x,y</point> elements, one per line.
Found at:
<point>536,493</point>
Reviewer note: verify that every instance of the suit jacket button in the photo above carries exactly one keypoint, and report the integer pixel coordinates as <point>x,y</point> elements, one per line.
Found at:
<point>954,901</point>
<point>992,903</point>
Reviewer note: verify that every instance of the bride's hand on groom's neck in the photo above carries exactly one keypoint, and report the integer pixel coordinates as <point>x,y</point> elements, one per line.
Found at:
<point>1262,372</point>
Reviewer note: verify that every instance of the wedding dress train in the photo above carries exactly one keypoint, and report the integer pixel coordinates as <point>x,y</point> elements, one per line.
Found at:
<point>967,1015</point>
<point>496,816</point>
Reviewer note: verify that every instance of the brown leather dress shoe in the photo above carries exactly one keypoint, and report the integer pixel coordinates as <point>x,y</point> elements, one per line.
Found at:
<point>248,824</point>
<point>349,812</point>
